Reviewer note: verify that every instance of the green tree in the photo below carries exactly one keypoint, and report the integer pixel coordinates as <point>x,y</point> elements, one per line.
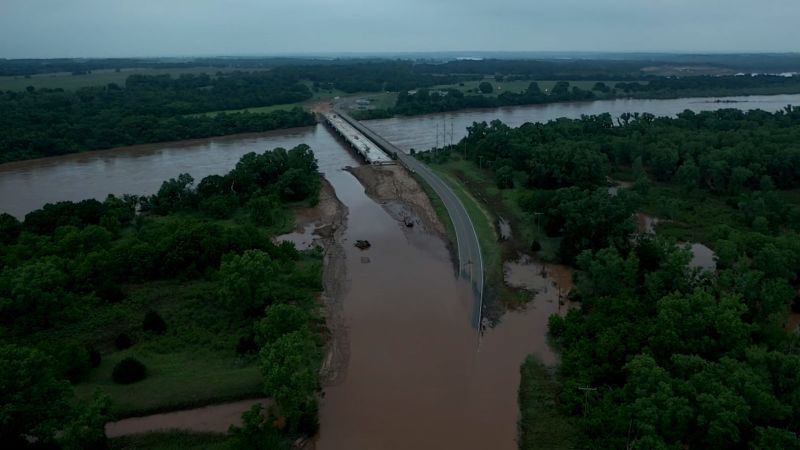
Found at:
<point>247,282</point>
<point>33,401</point>
<point>485,87</point>
<point>290,366</point>
<point>279,320</point>
<point>688,175</point>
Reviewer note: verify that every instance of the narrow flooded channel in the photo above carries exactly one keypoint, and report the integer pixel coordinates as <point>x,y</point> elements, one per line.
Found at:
<point>418,375</point>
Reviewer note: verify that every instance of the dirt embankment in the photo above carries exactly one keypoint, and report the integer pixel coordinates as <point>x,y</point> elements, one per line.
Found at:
<point>329,217</point>
<point>401,196</point>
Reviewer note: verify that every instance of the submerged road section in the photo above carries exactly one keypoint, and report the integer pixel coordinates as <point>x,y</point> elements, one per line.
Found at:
<point>470,260</point>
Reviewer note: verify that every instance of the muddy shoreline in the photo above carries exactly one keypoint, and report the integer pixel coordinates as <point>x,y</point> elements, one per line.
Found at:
<point>335,284</point>
<point>400,195</point>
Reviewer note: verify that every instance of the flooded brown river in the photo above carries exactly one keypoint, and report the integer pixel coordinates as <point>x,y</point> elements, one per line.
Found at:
<point>418,375</point>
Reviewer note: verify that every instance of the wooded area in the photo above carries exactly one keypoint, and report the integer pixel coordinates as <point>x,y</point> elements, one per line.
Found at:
<point>71,274</point>
<point>660,354</point>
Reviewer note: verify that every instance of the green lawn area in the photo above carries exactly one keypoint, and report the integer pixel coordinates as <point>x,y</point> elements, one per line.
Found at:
<point>541,425</point>
<point>67,81</point>
<point>192,363</point>
<point>175,380</point>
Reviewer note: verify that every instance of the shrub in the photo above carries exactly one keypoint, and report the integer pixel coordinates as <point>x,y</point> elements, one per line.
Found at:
<point>110,292</point>
<point>247,344</point>
<point>153,322</point>
<point>94,356</point>
<point>123,341</point>
<point>128,371</point>
<point>535,246</point>
<point>73,362</point>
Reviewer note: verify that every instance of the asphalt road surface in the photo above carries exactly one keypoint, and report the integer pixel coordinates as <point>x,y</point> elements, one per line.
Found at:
<point>470,260</point>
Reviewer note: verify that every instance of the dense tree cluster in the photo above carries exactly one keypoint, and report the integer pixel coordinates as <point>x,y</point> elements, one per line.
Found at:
<point>726,152</point>
<point>68,259</point>
<point>661,355</point>
<point>373,76</point>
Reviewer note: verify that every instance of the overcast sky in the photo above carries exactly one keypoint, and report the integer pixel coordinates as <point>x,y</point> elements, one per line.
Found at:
<point>115,28</point>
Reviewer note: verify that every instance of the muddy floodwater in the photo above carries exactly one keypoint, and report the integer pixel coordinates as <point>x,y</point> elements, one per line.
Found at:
<point>419,132</point>
<point>418,375</point>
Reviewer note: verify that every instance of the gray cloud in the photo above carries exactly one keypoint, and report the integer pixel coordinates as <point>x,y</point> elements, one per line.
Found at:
<point>53,28</point>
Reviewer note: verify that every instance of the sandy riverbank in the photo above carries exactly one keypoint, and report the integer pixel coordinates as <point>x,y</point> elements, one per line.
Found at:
<point>400,194</point>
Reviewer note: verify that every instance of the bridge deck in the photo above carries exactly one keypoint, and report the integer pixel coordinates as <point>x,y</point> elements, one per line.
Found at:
<point>371,152</point>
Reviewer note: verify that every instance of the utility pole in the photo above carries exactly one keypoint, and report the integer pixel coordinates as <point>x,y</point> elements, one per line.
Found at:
<point>536,217</point>
<point>586,391</point>
<point>451,131</point>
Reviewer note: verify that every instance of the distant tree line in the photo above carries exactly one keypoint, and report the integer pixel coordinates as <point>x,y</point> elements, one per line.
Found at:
<point>49,122</point>
<point>593,66</point>
<point>425,101</point>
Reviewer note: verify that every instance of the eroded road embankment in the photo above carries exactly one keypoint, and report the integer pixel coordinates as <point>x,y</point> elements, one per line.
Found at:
<point>401,196</point>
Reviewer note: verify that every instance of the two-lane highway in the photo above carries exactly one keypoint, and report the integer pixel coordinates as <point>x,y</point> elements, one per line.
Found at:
<point>469,250</point>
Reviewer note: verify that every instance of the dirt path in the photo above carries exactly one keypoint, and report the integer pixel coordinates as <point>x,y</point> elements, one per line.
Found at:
<point>208,419</point>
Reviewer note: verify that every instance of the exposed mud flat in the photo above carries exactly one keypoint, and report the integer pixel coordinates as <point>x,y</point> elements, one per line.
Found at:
<point>208,419</point>
<point>304,239</point>
<point>394,187</point>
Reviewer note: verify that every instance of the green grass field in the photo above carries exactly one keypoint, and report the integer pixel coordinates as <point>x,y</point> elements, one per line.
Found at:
<point>541,425</point>
<point>193,363</point>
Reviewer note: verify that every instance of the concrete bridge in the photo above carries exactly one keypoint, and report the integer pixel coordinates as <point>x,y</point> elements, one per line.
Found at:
<point>361,145</point>
<point>470,260</point>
